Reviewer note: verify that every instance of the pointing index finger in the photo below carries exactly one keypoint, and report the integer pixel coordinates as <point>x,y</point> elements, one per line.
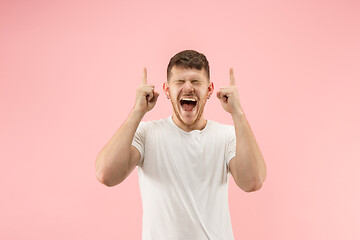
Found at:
<point>232,78</point>
<point>144,77</point>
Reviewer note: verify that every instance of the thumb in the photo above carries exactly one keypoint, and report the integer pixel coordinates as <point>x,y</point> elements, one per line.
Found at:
<point>218,94</point>
<point>155,97</point>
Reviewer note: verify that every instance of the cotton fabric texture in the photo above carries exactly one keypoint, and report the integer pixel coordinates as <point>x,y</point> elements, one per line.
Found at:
<point>183,180</point>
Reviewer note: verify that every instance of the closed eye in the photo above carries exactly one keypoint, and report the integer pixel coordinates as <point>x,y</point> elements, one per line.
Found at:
<point>195,81</point>
<point>179,81</point>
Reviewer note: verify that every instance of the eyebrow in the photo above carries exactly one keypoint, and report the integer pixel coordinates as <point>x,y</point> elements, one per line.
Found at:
<point>189,80</point>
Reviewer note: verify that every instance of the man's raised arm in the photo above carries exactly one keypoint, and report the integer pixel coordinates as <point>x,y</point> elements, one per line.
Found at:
<point>118,157</point>
<point>248,168</point>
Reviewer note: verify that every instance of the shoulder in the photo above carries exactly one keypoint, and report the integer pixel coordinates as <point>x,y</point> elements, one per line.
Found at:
<point>220,132</point>
<point>147,125</point>
<point>221,126</point>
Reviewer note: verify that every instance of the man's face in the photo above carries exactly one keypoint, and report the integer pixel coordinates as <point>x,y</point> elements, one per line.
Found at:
<point>188,90</point>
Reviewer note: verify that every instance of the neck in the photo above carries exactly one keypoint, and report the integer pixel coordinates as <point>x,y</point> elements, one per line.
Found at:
<point>199,125</point>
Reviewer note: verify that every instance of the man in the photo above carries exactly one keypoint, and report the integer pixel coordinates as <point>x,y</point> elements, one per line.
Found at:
<point>184,160</point>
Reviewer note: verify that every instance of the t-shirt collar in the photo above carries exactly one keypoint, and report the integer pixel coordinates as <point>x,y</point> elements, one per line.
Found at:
<point>193,131</point>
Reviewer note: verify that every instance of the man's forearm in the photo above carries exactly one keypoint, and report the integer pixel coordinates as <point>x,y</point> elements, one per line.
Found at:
<point>113,159</point>
<point>250,165</point>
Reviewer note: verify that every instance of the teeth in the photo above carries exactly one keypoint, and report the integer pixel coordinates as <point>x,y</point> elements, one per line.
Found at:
<point>189,99</point>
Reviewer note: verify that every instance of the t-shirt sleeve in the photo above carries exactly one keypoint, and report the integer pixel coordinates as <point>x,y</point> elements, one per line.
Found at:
<point>230,146</point>
<point>139,140</point>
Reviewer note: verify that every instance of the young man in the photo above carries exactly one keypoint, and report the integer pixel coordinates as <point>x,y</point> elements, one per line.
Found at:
<point>184,161</point>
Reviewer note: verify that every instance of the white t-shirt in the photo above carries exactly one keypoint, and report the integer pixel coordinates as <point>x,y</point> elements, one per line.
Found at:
<point>183,179</point>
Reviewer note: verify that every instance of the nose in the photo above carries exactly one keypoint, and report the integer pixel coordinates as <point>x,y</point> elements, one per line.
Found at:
<point>188,87</point>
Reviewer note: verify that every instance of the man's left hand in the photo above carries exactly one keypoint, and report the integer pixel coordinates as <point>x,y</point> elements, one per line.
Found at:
<point>229,97</point>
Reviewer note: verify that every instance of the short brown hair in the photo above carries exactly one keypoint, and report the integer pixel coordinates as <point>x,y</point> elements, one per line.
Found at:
<point>189,59</point>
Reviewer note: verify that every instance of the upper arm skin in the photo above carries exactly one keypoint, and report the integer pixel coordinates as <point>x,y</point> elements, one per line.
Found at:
<point>232,169</point>
<point>134,159</point>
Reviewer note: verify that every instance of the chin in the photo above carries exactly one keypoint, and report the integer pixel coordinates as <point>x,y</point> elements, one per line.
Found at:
<point>188,121</point>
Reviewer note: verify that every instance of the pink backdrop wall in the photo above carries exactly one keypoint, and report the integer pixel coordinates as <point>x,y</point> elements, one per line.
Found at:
<point>68,75</point>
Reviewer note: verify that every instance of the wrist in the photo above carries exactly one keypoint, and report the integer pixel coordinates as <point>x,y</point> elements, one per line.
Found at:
<point>238,115</point>
<point>137,114</point>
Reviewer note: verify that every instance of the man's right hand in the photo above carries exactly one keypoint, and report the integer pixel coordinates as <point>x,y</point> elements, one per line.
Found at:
<point>146,97</point>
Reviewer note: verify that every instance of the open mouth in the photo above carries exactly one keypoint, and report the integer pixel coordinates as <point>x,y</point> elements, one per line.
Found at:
<point>188,104</point>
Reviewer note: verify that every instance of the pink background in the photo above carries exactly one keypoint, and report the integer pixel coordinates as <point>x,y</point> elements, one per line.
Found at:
<point>68,75</point>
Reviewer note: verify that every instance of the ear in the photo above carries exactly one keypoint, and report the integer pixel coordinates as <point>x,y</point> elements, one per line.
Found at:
<point>210,89</point>
<point>166,88</point>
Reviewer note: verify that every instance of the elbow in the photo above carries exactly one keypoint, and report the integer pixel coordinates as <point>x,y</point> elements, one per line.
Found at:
<point>105,180</point>
<point>255,186</point>
<point>103,176</point>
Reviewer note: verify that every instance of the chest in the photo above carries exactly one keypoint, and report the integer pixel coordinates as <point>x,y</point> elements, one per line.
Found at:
<point>196,157</point>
